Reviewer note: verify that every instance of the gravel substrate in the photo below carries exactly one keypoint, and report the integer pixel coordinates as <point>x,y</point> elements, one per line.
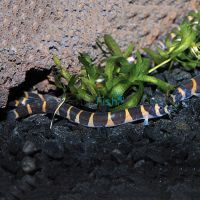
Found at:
<point>132,161</point>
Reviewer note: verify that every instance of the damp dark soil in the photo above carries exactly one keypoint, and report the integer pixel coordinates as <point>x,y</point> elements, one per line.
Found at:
<point>132,161</point>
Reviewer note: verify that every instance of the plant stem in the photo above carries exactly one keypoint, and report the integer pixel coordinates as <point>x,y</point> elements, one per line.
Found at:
<point>156,67</point>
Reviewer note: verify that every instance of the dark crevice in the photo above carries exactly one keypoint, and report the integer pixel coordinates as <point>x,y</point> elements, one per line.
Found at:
<point>32,78</point>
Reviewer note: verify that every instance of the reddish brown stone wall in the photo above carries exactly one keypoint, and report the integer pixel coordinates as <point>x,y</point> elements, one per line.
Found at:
<point>32,30</point>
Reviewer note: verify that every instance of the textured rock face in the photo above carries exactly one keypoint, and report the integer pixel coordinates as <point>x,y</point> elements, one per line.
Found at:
<point>32,30</point>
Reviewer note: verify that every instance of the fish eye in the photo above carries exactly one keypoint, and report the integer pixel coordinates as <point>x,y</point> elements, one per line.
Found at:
<point>161,106</point>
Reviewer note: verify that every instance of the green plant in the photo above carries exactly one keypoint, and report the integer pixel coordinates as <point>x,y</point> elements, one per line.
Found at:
<point>115,76</point>
<point>120,77</point>
<point>182,45</point>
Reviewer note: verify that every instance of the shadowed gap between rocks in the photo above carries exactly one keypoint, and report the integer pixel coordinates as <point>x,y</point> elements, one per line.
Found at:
<point>32,78</point>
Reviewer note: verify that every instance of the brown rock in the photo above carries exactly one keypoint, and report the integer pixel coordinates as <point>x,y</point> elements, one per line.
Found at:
<point>31,31</point>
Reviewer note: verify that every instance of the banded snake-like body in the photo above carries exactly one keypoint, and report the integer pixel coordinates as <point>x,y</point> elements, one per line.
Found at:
<point>34,103</point>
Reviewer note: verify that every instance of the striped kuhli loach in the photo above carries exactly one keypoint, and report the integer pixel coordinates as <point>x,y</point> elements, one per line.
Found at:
<point>33,103</point>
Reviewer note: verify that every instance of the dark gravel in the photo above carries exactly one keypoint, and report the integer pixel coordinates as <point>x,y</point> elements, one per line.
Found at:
<point>159,161</point>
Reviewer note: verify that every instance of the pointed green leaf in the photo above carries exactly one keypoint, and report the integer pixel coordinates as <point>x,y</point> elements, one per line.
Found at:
<point>162,53</point>
<point>168,42</point>
<point>133,99</point>
<point>128,52</point>
<point>65,74</point>
<point>161,84</point>
<point>112,45</point>
<point>90,68</point>
<point>188,36</point>
<point>141,68</point>
<point>119,89</point>
<point>71,84</point>
<point>56,60</point>
<point>155,56</point>
<point>82,94</point>
<point>109,68</point>
<point>89,85</point>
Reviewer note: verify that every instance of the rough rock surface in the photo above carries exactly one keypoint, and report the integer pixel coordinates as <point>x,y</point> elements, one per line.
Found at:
<point>32,30</point>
